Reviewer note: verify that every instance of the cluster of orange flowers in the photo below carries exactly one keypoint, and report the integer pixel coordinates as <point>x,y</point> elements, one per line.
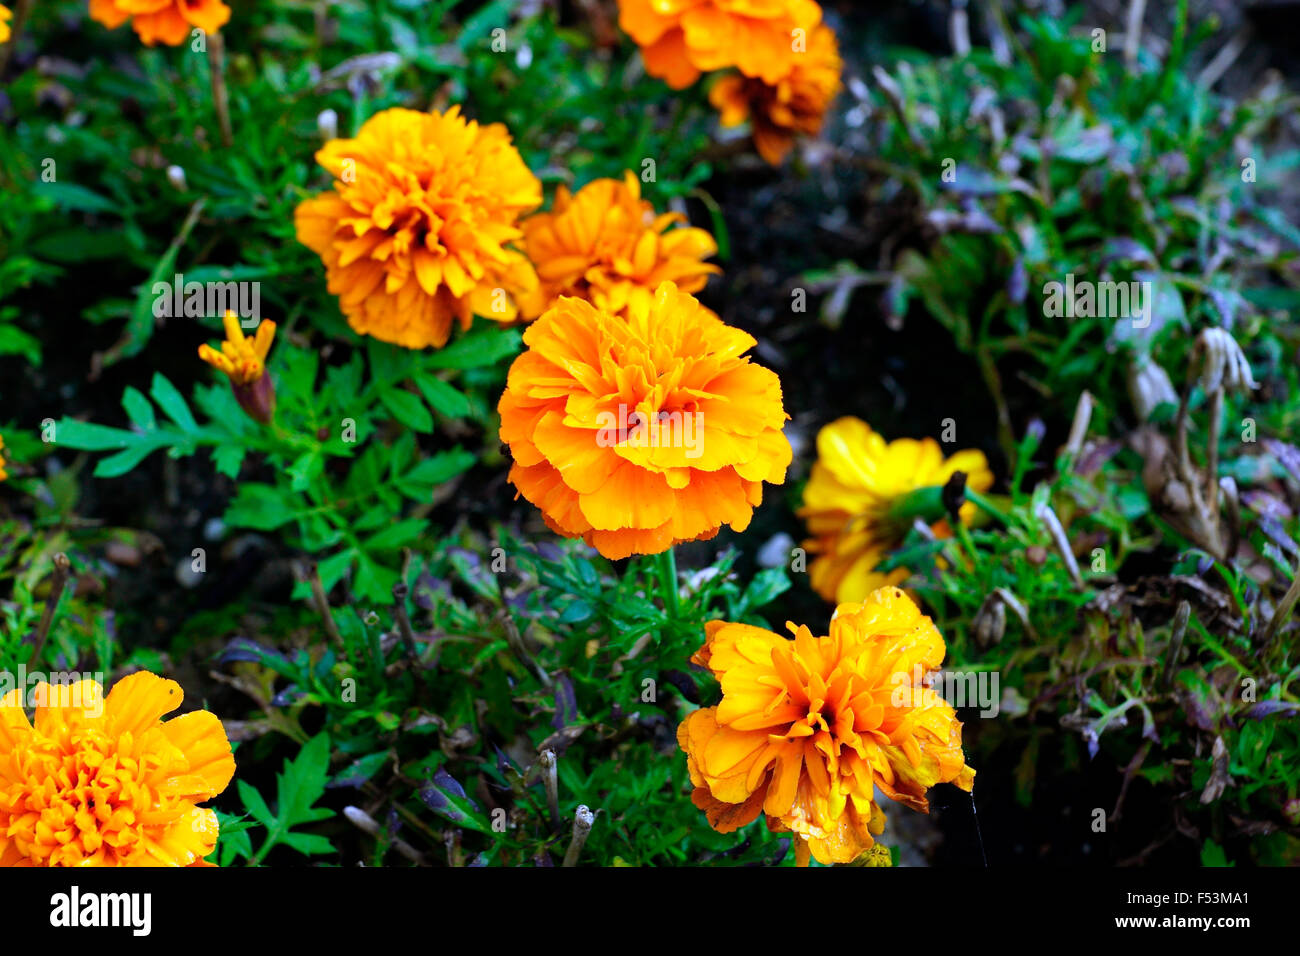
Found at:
<point>807,729</point>
<point>5,16</point>
<point>786,59</point>
<point>634,418</point>
<point>636,421</point>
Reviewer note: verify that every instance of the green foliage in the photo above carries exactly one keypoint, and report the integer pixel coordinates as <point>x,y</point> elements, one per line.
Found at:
<point>516,649</point>
<point>1065,161</point>
<point>299,787</point>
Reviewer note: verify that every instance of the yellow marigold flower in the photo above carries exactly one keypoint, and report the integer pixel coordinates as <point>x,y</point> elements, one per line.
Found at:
<point>162,21</point>
<point>418,227</point>
<point>3,474</point>
<point>98,781</point>
<point>640,432</point>
<point>794,105</point>
<point>243,359</point>
<point>847,502</point>
<point>606,245</point>
<point>680,39</point>
<point>807,728</point>
<point>5,16</point>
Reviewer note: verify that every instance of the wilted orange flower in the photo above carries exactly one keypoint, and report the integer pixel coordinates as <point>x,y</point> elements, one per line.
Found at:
<point>166,21</point>
<point>5,17</point>
<point>105,782</point>
<point>795,104</point>
<point>847,503</point>
<point>417,230</point>
<point>807,728</point>
<point>243,359</point>
<point>636,433</point>
<point>679,39</point>
<point>606,245</point>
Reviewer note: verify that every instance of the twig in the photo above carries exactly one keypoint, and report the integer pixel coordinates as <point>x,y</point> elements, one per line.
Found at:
<point>550,779</point>
<point>323,606</point>
<point>1232,499</point>
<point>1079,428</point>
<point>369,825</point>
<point>1283,609</point>
<point>1133,32</point>
<point>217,75</point>
<point>583,819</point>
<point>1212,455</point>
<point>894,93</point>
<point>1224,59</point>
<point>1001,36</point>
<point>959,28</point>
<point>61,568</point>
<point>1053,525</point>
<point>517,646</point>
<point>400,592</point>
<point>1177,630</point>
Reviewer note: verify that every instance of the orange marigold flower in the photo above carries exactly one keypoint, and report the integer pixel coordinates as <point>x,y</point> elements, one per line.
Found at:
<point>857,479</point>
<point>680,39</point>
<point>417,230</point>
<point>166,21</point>
<point>5,16</point>
<point>807,728</point>
<point>243,360</point>
<point>98,781</point>
<point>794,105</point>
<point>639,432</point>
<point>3,474</point>
<point>606,245</point>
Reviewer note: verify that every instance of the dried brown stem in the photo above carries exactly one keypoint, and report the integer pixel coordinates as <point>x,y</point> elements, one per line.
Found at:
<point>61,570</point>
<point>583,819</point>
<point>323,606</point>
<point>217,75</point>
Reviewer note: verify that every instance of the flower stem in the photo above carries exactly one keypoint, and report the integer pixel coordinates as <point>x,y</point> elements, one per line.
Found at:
<point>217,76</point>
<point>61,569</point>
<point>667,570</point>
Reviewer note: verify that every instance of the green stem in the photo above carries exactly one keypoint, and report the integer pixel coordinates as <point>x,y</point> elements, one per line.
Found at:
<point>987,506</point>
<point>667,570</point>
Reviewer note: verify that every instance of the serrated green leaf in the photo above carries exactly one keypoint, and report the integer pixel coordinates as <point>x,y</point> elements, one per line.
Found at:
<point>172,403</point>
<point>443,398</point>
<point>407,409</point>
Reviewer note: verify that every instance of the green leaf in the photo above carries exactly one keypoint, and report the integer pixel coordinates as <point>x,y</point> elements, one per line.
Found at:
<point>484,346</point>
<point>446,797</point>
<point>138,409</point>
<point>298,787</point>
<point>444,399</point>
<point>228,459</point>
<point>255,805</point>
<point>87,436</point>
<point>396,535</point>
<point>765,588</point>
<point>259,506</point>
<point>419,481</point>
<point>14,341</point>
<point>119,464</point>
<point>74,198</point>
<point>407,409</point>
<point>172,403</point>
